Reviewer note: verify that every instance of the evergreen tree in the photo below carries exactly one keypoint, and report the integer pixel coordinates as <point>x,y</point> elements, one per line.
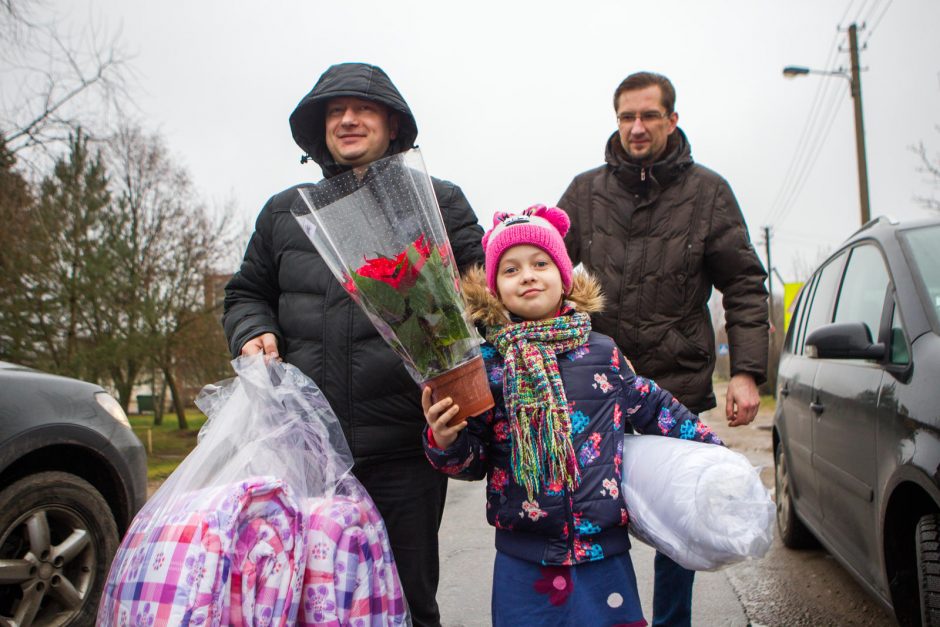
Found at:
<point>16,213</point>
<point>67,263</point>
<point>53,263</point>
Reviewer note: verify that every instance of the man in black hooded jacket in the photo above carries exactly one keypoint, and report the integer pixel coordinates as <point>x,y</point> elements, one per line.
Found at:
<point>285,302</point>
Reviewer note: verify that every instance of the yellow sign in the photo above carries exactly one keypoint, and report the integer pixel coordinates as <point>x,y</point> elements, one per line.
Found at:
<point>790,292</point>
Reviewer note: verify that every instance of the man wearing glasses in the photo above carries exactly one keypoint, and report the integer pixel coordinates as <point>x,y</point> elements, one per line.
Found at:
<point>659,231</point>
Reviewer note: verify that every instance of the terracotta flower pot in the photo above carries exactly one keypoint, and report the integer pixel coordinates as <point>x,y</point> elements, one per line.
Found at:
<point>468,385</point>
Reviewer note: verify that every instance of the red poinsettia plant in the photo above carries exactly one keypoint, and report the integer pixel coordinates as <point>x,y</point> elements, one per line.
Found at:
<point>413,298</point>
<point>381,233</point>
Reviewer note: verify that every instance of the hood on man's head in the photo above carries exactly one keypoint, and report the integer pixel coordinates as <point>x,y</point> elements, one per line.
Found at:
<point>359,80</point>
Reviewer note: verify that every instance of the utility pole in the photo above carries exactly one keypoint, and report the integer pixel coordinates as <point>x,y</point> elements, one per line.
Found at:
<point>859,126</point>
<point>855,86</point>
<point>770,277</point>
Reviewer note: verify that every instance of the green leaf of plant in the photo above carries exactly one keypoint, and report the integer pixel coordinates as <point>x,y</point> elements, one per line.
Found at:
<point>388,303</point>
<point>415,338</point>
<point>413,255</point>
<point>455,327</point>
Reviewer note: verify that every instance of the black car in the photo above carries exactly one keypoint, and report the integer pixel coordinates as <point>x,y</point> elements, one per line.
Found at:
<point>72,476</point>
<point>857,430</point>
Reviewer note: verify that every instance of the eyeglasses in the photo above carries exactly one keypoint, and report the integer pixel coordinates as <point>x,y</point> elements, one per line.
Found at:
<point>647,117</point>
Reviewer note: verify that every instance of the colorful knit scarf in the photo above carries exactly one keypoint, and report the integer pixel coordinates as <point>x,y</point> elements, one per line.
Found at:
<point>536,404</point>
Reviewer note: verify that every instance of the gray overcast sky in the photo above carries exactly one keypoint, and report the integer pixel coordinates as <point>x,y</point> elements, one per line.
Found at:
<point>513,98</point>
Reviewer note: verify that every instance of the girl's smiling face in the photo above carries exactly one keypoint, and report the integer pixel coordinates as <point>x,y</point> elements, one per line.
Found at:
<point>528,283</point>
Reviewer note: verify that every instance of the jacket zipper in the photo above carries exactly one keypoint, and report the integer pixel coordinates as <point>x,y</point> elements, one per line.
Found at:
<point>349,366</point>
<point>641,289</point>
<point>571,528</point>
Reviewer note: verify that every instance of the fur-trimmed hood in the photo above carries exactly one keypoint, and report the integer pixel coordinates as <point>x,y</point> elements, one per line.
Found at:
<point>484,308</point>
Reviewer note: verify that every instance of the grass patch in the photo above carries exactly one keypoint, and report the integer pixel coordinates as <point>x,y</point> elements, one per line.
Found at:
<point>160,469</point>
<point>768,403</point>
<point>170,444</point>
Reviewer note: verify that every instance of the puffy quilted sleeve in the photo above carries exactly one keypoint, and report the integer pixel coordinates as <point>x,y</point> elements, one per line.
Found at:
<point>654,411</point>
<point>251,295</point>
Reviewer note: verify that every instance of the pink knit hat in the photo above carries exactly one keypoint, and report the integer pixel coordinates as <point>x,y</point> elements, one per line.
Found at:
<point>540,226</point>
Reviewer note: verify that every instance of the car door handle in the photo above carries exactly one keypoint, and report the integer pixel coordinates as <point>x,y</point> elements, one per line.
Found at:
<point>785,391</point>
<point>817,408</point>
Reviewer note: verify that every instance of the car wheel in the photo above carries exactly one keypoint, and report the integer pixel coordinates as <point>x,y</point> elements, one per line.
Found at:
<point>57,539</point>
<point>928,568</point>
<point>793,533</point>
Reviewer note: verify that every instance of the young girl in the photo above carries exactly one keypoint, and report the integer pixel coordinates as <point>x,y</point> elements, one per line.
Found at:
<point>552,447</point>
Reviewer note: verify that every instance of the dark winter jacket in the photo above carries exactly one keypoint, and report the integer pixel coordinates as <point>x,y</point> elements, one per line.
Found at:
<point>658,238</point>
<point>560,527</point>
<point>284,287</point>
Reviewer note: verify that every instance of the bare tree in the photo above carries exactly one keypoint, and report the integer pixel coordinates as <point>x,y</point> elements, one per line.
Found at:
<point>801,267</point>
<point>930,167</point>
<point>185,322</point>
<point>170,244</point>
<point>55,80</point>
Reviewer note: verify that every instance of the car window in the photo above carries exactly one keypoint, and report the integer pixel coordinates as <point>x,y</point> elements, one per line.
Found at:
<point>900,352</point>
<point>924,244</point>
<point>800,325</point>
<point>820,306</point>
<point>862,296</point>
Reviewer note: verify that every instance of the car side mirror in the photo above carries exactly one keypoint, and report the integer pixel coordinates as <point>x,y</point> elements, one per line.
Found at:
<point>843,340</point>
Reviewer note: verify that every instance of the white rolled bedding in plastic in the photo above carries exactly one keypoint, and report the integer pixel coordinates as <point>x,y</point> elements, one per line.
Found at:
<point>703,505</point>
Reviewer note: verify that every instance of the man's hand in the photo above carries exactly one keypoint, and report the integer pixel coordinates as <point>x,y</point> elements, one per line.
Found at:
<point>265,343</point>
<point>742,400</point>
<point>438,415</point>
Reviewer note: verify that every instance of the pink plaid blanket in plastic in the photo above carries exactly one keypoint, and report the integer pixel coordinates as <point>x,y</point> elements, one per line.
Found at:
<point>350,576</point>
<point>176,568</point>
<point>247,554</point>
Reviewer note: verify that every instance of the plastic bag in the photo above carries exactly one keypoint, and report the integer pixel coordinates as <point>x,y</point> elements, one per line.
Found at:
<point>262,524</point>
<point>703,505</point>
<point>363,226</point>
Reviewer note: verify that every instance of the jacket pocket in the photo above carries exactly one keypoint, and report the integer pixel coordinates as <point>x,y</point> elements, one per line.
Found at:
<point>684,351</point>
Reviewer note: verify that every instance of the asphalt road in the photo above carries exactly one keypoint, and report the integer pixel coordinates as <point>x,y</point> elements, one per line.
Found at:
<point>786,587</point>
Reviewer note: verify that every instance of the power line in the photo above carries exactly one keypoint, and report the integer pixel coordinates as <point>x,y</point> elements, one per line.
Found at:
<point>803,145</point>
<point>812,144</point>
<point>863,21</point>
<point>800,237</point>
<point>871,30</point>
<point>858,14</point>
<point>808,148</point>
<point>797,189</point>
<point>818,125</point>
<point>845,13</point>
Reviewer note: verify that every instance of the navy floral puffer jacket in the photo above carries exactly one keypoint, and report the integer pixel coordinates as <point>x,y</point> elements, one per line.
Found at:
<point>558,526</point>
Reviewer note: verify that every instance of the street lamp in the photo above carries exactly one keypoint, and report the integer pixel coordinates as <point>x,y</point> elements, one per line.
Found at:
<point>792,71</point>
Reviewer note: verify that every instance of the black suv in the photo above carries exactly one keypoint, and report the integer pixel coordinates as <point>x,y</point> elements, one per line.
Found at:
<point>72,476</point>
<point>857,430</point>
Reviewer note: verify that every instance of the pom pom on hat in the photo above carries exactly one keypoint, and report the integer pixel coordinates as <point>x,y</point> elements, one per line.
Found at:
<point>540,226</point>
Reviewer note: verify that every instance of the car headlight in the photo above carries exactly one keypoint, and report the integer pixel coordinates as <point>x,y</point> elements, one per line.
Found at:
<point>112,407</point>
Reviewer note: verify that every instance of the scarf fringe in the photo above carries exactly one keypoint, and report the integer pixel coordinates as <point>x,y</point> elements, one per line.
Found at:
<point>537,407</point>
